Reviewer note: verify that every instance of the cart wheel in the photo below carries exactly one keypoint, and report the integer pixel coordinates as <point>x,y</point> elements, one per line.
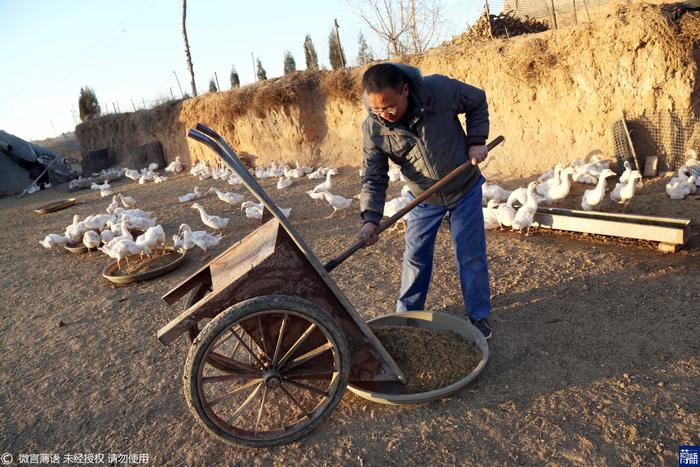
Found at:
<point>288,365</point>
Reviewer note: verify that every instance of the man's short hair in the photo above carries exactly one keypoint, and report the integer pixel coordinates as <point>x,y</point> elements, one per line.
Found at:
<point>382,76</point>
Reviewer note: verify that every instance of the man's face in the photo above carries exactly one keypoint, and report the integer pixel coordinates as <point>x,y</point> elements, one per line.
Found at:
<point>389,104</point>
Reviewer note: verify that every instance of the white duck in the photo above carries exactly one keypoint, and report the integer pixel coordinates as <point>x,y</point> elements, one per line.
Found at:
<point>316,175</point>
<point>210,220</point>
<point>54,241</point>
<point>196,194</point>
<point>127,201</point>
<point>490,219</point>
<point>105,193</point>
<point>284,182</point>
<point>153,237</point>
<point>525,216</point>
<point>680,190</point>
<point>624,192</point>
<point>175,166</point>
<point>132,174</point>
<point>325,186</point>
<point>316,196</point>
<point>505,214</point>
<point>113,205</point>
<point>393,207</point>
<point>229,197</point>
<point>338,202</point>
<point>200,238</point>
<point>106,236</point>
<point>545,186</point>
<point>562,190</point>
<point>91,240</point>
<point>625,176</point>
<point>489,192</point>
<point>123,249</point>
<point>592,198</point>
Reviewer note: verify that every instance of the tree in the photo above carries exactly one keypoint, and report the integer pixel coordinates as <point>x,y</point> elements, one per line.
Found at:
<point>335,51</point>
<point>290,66</point>
<point>87,104</point>
<point>364,53</point>
<point>235,81</point>
<point>212,85</point>
<point>310,54</point>
<point>188,57</point>
<point>405,26</point>
<point>262,75</point>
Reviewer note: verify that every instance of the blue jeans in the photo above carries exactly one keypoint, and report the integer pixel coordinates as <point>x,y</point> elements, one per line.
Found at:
<point>469,239</point>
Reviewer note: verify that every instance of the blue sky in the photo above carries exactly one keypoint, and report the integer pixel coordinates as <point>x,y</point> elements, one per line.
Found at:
<point>127,50</point>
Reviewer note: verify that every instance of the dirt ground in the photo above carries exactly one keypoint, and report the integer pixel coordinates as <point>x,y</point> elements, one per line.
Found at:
<point>595,358</point>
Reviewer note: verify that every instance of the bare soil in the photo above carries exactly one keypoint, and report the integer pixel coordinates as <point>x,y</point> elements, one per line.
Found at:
<point>595,358</point>
<point>429,359</point>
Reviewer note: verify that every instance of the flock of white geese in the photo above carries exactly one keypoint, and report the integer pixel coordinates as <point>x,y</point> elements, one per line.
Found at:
<point>555,185</point>
<point>112,232</point>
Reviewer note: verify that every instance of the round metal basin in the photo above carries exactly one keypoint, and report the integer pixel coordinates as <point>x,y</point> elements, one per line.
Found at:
<point>110,272</point>
<point>389,392</point>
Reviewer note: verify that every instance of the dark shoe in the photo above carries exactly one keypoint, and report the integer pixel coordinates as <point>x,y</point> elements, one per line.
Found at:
<point>483,326</point>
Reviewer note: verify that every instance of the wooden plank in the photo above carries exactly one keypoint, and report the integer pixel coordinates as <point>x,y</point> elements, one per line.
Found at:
<point>665,230</point>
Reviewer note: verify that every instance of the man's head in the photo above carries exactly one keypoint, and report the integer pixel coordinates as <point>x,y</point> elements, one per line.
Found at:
<point>386,91</point>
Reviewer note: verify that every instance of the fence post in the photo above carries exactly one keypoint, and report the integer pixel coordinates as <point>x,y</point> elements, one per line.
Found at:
<point>488,17</point>
<point>575,15</point>
<point>554,14</point>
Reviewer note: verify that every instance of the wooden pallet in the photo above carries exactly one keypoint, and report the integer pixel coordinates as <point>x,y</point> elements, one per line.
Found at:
<point>671,233</point>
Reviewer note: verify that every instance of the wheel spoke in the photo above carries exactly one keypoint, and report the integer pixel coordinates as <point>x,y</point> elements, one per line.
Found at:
<point>310,373</point>
<point>313,389</point>
<point>232,376</point>
<point>245,346</point>
<point>262,404</point>
<point>296,345</point>
<point>222,341</point>
<point>294,401</point>
<point>262,338</point>
<point>234,391</point>
<point>307,356</point>
<point>246,402</point>
<point>279,340</point>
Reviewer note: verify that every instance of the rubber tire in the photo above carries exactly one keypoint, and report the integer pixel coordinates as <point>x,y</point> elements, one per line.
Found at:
<point>239,312</point>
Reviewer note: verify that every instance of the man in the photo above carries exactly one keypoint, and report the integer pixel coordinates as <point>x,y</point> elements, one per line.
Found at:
<point>413,121</point>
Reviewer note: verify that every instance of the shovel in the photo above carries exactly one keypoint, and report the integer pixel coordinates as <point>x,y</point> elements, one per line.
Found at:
<point>335,262</point>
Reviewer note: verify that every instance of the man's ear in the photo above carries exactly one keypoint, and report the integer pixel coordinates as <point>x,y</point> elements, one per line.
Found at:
<point>404,90</point>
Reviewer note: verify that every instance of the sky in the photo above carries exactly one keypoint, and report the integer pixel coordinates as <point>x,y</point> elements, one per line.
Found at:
<point>130,51</point>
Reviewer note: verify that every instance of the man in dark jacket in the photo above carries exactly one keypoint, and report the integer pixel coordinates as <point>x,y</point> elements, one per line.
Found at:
<point>413,122</point>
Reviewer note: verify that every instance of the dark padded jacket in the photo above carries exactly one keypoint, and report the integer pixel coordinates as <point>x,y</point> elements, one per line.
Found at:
<point>431,146</point>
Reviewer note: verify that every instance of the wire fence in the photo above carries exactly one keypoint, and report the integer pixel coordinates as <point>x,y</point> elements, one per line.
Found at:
<point>668,136</point>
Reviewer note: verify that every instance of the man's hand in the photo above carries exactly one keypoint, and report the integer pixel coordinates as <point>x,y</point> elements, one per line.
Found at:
<point>477,154</point>
<point>368,233</point>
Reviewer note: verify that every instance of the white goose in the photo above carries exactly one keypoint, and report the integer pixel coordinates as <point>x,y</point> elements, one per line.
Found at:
<point>680,190</point>
<point>91,240</point>
<point>284,182</point>
<point>624,192</point>
<point>490,219</point>
<point>127,201</point>
<point>325,186</point>
<point>229,197</point>
<point>505,214</point>
<point>54,241</point>
<point>153,237</point>
<point>196,194</point>
<point>489,192</point>
<point>625,176</point>
<point>113,205</point>
<point>593,198</point>
<point>525,216</point>
<point>200,238</point>
<point>123,249</point>
<point>338,202</point>
<point>562,190</point>
<point>545,186</point>
<point>210,220</point>
<point>106,236</point>
<point>316,196</point>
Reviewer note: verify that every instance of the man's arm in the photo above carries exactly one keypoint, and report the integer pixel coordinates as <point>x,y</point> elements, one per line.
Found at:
<point>375,180</point>
<point>471,101</point>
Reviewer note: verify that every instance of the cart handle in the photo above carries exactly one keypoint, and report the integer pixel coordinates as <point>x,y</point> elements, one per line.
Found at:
<point>335,262</point>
